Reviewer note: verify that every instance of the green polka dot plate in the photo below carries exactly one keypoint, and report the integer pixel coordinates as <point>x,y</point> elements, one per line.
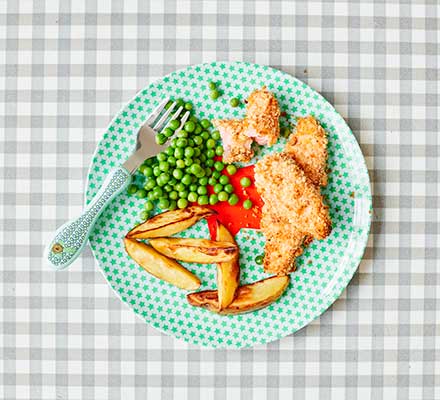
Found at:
<point>325,268</point>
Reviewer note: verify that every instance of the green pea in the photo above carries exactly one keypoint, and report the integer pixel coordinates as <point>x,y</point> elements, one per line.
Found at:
<point>205,135</point>
<point>203,181</point>
<point>180,103</point>
<point>212,181</point>
<point>182,134</point>
<point>233,199</point>
<point>205,123</point>
<point>186,180</point>
<point>202,190</point>
<point>173,195</point>
<point>285,131</point>
<point>168,105</point>
<point>213,199</point>
<point>150,183</point>
<point>132,189</point>
<point>165,177</point>
<point>173,205</point>
<point>178,174</point>
<point>195,169</point>
<point>218,165</point>
<point>169,151</point>
<point>202,157</point>
<point>173,181</point>
<point>247,204</point>
<point>189,152</point>
<point>178,153</point>
<point>163,203</point>
<point>189,126</point>
<point>168,132</point>
<point>197,151</point>
<point>210,162</point>
<point>198,140</point>
<point>216,174</point>
<point>208,172</point>
<point>231,169</point>
<point>234,102</point>
<point>161,156</point>
<point>215,135</point>
<point>168,188</point>
<point>188,162</point>
<point>183,194</point>
<point>173,143</point>
<point>259,259</point>
<point>141,193</point>
<point>181,142</point>
<point>172,161</point>
<point>191,142</point>
<point>193,187</point>
<point>188,106</point>
<point>182,203</point>
<point>218,188</point>
<point>212,85</point>
<point>203,200</point>
<point>198,129</point>
<point>179,187</point>
<point>174,124</point>
<point>219,150</point>
<point>229,188</point>
<point>193,118</point>
<point>144,215</point>
<point>161,138</point>
<point>215,94</point>
<point>210,143</point>
<point>224,180</point>
<point>223,196</point>
<point>210,153</point>
<point>180,163</point>
<point>164,166</point>
<point>149,206</point>
<point>245,182</point>
<point>192,197</point>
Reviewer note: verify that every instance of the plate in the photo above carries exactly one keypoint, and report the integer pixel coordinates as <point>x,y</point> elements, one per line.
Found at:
<point>325,268</point>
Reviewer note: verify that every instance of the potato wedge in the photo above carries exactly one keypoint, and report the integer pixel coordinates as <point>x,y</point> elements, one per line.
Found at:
<point>228,273</point>
<point>195,250</point>
<point>169,222</point>
<point>160,266</point>
<point>248,297</point>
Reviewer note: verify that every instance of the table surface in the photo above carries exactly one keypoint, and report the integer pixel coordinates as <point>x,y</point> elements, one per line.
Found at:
<point>67,68</point>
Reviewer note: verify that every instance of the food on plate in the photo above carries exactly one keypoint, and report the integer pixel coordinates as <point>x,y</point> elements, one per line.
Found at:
<point>260,124</point>
<point>236,145</point>
<point>170,222</point>
<point>308,147</point>
<point>228,273</point>
<point>293,210</point>
<point>201,251</point>
<point>248,297</point>
<point>262,117</point>
<point>160,266</point>
<point>284,243</point>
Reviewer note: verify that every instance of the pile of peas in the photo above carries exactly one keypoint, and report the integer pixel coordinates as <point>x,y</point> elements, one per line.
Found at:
<point>182,172</point>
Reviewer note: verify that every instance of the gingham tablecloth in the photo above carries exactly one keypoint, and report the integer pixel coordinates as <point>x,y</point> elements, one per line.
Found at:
<point>66,67</point>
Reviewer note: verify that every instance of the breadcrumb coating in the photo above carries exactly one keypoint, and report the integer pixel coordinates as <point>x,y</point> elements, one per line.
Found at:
<point>308,147</point>
<point>262,115</point>
<point>236,146</point>
<point>293,211</point>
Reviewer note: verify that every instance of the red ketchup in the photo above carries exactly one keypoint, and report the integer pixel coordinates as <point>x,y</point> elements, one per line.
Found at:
<point>236,217</point>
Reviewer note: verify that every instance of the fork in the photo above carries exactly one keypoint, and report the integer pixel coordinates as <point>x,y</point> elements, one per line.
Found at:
<point>69,240</point>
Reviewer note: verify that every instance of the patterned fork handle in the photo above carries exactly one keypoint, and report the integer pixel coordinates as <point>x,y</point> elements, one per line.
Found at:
<point>70,238</point>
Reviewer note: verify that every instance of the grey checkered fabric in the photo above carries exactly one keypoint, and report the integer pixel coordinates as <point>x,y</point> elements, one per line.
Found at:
<point>66,68</point>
